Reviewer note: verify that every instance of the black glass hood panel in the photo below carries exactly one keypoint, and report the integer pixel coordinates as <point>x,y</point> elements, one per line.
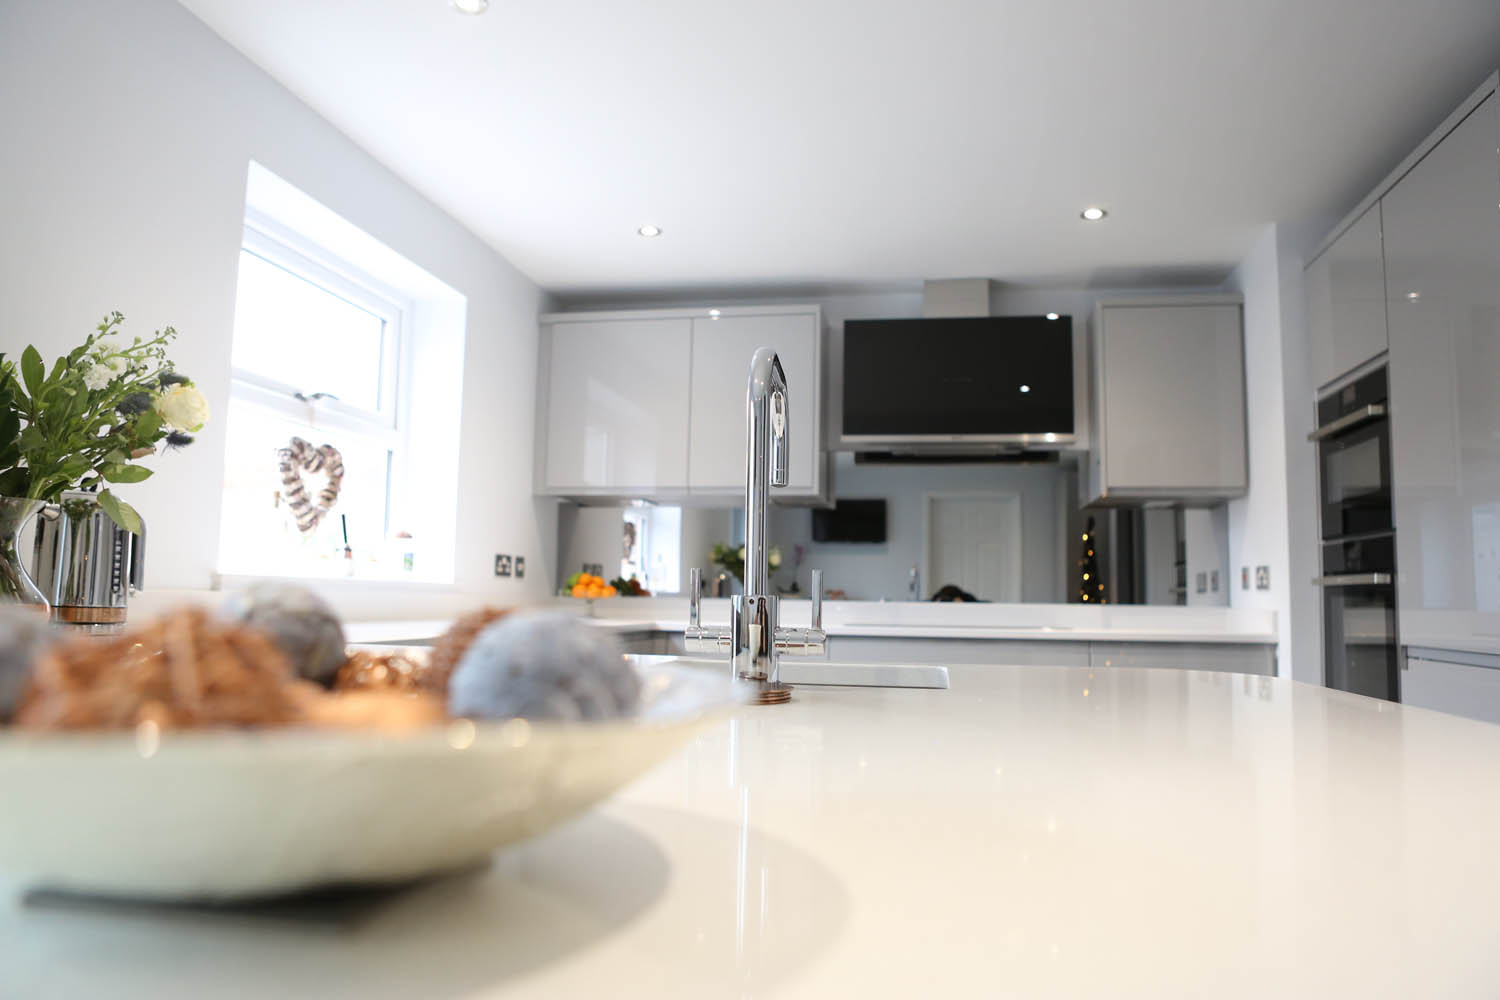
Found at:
<point>982,378</point>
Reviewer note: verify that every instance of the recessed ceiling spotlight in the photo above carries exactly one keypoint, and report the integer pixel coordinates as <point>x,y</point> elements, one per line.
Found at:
<point>471,6</point>
<point>1093,213</point>
<point>1025,388</point>
<point>649,231</point>
<point>713,314</point>
<point>1413,296</point>
<point>1052,315</point>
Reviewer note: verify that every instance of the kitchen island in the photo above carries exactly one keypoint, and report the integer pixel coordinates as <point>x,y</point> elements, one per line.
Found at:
<point>1031,832</point>
<point>1073,635</point>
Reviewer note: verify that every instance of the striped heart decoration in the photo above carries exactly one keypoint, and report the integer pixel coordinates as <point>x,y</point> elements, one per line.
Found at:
<point>299,457</point>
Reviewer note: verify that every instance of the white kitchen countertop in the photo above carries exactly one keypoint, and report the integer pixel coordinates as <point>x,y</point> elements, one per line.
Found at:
<point>1032,832</point>
<point>918,620</point>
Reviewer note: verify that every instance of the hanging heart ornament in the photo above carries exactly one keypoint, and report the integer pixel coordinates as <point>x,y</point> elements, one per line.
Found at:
<point>300,457</point>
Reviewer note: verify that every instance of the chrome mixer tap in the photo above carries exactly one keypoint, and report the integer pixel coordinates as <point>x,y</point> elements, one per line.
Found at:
<point>755,639</point>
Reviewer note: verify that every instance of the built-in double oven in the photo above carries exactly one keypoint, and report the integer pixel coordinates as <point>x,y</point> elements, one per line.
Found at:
<point>1358,579</point>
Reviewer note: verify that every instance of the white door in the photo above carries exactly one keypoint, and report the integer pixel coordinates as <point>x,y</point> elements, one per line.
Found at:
<point>974,542</point>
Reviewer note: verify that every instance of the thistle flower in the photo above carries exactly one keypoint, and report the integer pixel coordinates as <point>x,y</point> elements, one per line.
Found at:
<point>177,439</point>
<point>133,404</point>
<point>169,379</point>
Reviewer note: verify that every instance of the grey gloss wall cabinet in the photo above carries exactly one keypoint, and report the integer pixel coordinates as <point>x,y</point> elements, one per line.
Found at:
<point>1169,379</point>
<point>722,348</point>
<point>1442,260</point>
<point>1345,300</point>
<point>651,404</point>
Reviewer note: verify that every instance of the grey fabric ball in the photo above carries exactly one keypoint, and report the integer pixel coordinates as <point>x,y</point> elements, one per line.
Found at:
<point>23,636</point>
<point>544,666</point>
<point>302,624</point>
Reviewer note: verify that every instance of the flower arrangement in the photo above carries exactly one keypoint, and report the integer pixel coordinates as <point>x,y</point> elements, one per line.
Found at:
<point>733,560</point>
<point>103,406</point>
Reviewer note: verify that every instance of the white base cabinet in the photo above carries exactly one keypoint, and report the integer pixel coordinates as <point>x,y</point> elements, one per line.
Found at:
<point>651,405</point>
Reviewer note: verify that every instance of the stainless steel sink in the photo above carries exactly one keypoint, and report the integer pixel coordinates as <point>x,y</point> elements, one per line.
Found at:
<point>818,672</point>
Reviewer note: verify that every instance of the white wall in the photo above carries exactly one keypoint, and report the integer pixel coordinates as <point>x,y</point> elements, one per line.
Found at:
<point>128,129</point>
<point>1275,525</point>
<point>867,571</point>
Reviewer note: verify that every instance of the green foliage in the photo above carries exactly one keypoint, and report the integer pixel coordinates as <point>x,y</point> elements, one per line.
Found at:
<point>120,512</point>
<point>87,420</point>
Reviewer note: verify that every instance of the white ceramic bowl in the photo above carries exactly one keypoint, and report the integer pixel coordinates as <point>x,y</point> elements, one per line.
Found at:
<point>234,814</point>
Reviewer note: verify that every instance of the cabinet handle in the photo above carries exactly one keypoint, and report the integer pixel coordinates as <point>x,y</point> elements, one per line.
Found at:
<point>1353,580</point>
<point>1347,421</point>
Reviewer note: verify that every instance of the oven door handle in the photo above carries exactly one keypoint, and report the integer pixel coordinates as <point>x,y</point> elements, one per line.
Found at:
<point>1347,421</point>
<point>1353,580</point>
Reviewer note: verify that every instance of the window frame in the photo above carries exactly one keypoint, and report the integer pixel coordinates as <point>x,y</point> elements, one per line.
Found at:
<point>390,423</point>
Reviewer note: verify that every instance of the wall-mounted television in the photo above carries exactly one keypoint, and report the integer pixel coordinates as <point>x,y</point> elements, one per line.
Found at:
<point>850,521</point>
<point>986,380</point>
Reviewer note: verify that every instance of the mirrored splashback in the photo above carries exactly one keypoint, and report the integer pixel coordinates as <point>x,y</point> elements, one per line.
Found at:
<point>1005,533</point>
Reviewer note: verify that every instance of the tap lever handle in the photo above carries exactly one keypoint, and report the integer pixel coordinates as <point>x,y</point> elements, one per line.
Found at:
<point>695,589</point>
<point>780,446</point>
<point>817,598</point>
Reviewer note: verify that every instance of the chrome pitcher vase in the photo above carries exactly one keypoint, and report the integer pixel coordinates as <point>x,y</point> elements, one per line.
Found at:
<point>16,585</point>
<point>86,565</point>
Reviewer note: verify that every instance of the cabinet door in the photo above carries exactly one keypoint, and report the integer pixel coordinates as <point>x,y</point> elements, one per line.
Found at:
<point>617,406</point>
<point>1442,246</point>
<point>1173,399</point>
<point>1459,688</point>
<point>722,349</point>
<point>1345,289</point>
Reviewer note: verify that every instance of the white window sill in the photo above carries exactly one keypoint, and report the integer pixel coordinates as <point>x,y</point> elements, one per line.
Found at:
<point>229,582</point>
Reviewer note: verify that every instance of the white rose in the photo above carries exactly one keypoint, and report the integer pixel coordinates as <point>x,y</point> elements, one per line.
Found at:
<point>182,407</point>
<point>773,559</point>
<point>742,553</point>
<point>97,377</point>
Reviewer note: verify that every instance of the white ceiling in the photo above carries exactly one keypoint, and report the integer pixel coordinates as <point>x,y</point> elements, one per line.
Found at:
<point>871,143</point>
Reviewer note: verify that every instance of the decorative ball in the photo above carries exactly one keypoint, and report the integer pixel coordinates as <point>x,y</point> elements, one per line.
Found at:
<point>453,644</point>
<point>545,666</point>
<point>23,636</point>
<point>301,623</point>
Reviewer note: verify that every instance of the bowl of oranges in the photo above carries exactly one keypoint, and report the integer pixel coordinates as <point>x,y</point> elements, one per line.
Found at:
<point>588,585</point>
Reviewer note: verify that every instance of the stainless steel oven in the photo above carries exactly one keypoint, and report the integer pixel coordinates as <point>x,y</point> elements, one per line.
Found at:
<point>1360,648</point>
<point>1354,458</point>
<point>1359,616</point>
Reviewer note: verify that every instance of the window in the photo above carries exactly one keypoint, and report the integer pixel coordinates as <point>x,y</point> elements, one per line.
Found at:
<point>326,348</point>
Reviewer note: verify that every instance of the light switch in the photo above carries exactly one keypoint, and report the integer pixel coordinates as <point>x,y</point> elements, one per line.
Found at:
<point>1262,578</point>
<point>1244,577</point>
